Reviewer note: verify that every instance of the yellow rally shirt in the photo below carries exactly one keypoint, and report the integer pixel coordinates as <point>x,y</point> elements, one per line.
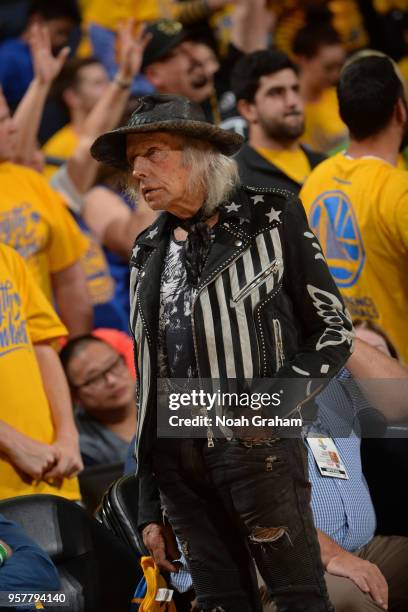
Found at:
<point>324,129</point>
<point>110,14</point>
<point>292,163</point>
<point>62,146</point>
<point>26,318</point>
<point>358,208</point>
<point>35,222</point>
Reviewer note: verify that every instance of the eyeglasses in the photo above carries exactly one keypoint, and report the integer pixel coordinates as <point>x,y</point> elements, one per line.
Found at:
<point>96,382</point>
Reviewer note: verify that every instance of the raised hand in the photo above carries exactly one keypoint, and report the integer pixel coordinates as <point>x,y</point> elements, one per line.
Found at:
<point>46,65</point>
<point>130,50</point>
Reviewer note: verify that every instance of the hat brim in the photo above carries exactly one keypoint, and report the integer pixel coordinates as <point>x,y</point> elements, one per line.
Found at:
<point>110,148</point>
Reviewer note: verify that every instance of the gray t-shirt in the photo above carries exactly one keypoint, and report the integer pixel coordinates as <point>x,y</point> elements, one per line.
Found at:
<point>176,358</point>
<point>97,443</point>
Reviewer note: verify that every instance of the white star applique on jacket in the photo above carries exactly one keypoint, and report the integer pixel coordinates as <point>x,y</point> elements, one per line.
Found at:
<point>152,233</point>
<point>232,207</point>
<point>273,215</point>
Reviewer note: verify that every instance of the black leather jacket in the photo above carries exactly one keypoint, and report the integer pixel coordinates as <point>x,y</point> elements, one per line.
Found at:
<point>266,307</point>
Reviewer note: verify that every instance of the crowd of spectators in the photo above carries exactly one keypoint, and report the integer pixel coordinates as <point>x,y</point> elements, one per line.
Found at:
<point>319,90</point>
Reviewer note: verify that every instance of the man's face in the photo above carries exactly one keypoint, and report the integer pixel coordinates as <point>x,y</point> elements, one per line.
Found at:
<point>100,378</point>
<point>156,161</point>
<point>278,107</point>
<point>7,132</point>
<point>204,64</point>
<point>92,82</point>
<point>60,30</point>
<point>178,73</point>
<point>324,68</point>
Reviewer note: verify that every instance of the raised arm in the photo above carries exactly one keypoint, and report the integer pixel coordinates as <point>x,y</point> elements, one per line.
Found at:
<point>114,223</point>
<point>106,114</point>
<point>29,112</point>
<point>195,10</point>
<point>249,25</point>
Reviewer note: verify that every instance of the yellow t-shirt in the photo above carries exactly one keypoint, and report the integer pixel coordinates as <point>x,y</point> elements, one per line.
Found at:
<point>324,129</point>
<point>403,66</point>
<point>291,16</point>
<point>100,283</point>
<point>35,222</point>
<point>26,318</point>
<point>61,145</point>
<point>293,163</point>
<point>358,208</point>
<point>386,6</point>
<point>110,14</point>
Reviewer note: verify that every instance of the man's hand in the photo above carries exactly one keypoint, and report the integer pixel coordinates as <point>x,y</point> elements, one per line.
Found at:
<point>130,50</point>
<point>46,66</point>
<point>68,460</point>
<point>162,545</point>
<point>364,574</point>
<point>30,456</point>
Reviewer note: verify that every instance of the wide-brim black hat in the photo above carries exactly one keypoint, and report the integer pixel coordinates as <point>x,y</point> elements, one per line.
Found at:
<point>163,113</point>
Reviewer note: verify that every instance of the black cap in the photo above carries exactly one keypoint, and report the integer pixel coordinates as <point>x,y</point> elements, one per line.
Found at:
<point>166,34</point>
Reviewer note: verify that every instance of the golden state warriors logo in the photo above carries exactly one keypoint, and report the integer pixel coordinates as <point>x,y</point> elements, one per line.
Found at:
<point>333,221</point>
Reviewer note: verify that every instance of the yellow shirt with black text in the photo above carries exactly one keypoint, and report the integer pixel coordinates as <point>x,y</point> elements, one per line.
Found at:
<point>26,318</point>
<point>358,209</point>
<point>35,222</point>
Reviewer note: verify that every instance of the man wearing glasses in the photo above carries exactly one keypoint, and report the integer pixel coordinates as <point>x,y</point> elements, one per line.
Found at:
<point>103,388</point>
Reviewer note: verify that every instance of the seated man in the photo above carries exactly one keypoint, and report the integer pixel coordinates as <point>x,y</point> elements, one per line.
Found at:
<point>38,439</point>
<point>103,387</point>
<point>364,572</point>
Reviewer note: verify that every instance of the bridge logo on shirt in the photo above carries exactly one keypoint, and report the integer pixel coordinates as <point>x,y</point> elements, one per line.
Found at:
<point>13,332</point>
<point>23,229</point>
<point>332,219</point>
<point>100,283</point>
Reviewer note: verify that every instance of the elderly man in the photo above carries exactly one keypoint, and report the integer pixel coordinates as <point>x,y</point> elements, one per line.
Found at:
<point>228,283</point>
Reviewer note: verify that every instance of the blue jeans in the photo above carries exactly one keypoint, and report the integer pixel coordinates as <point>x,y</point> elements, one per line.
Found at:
<point>240,501</point>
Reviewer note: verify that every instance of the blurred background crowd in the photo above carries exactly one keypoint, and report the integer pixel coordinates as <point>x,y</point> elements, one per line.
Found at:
<point>70,71</point>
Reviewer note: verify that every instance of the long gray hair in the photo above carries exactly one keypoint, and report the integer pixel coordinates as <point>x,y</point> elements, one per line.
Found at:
<point>212,172</point>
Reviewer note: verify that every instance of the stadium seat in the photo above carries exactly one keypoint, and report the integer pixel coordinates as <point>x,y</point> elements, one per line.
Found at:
<point>98,572</point>
<point>118,512</point>
<point>95,480</point>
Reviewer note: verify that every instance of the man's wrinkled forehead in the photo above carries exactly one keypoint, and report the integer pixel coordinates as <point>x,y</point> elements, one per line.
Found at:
<point>138,144</point>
